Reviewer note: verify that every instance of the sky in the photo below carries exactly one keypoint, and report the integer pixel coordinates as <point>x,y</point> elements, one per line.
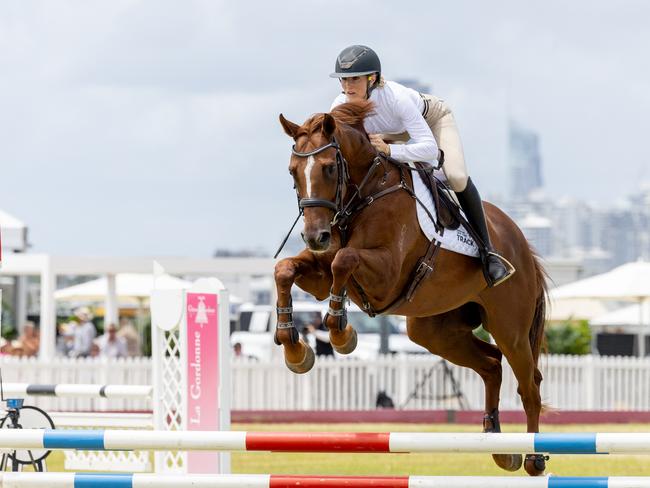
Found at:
<point>151,127</point>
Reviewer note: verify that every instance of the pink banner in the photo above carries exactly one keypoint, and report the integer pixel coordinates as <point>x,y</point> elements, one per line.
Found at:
<point>202,375</point>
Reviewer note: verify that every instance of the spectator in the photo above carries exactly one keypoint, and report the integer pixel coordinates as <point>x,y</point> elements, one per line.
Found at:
<point>131,336</point>
<point>238,353</point>
<point>5,346</point>
<point>111,345</point>
<point>65,338</point>
<point>29,339</point>
<point>84,333</point>
<point>321,334</point>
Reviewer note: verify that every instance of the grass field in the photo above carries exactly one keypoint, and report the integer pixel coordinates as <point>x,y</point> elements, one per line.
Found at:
<point>423,464</point>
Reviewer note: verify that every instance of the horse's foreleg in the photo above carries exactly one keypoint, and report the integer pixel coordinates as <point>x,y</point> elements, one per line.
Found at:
<point>298,355</point>
<point>374,266</point>
<point>342,336</point>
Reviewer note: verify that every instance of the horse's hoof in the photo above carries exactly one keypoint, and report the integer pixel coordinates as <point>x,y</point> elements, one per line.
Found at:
<point>509,462</point>
<point>349,346</point>
<point>307,361</point>
<point>535,464</point>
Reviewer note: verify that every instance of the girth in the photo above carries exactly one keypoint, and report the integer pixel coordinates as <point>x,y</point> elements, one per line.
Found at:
<point>421,272</point>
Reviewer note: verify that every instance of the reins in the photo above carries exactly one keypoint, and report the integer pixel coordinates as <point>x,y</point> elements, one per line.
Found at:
<point>345,213</point>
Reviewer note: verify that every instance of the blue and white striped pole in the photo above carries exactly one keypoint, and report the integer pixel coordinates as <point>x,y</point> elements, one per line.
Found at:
<point>562,443</point>
<point>79,480</point>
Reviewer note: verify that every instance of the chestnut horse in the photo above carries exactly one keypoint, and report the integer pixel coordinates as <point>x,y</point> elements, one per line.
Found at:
<point>370,250</point>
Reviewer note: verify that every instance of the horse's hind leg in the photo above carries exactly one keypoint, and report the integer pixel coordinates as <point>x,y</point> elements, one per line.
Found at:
<point>305,271</point>
<point>449,335</point>
<point>517,349</point>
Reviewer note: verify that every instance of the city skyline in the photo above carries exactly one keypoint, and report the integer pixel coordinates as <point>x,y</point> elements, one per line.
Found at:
<point>150,128</point>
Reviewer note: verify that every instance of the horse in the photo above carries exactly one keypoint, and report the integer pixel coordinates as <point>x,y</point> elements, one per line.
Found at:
<point>363,240</point>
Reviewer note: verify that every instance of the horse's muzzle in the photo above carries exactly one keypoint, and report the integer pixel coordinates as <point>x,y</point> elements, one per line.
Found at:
<point>318,241</point>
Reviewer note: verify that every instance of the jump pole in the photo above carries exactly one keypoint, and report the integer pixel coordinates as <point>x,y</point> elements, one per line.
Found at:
<point>70,390</point>
<point>331,442</point>
<point>81,480</point>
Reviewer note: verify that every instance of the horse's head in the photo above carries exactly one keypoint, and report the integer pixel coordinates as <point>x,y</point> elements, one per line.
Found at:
<point>319,169</point>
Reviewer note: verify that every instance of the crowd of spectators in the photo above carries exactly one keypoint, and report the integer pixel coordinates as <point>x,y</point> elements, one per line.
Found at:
<point>78,338</point>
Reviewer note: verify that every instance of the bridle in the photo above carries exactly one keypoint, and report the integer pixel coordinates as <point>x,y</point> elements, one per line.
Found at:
<point>344,212</point>
<point>343,177</point>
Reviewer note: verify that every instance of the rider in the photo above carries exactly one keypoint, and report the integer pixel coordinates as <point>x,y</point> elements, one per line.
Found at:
<point>399,109</point>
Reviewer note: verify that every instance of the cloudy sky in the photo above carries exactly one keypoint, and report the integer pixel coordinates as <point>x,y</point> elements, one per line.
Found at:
<point>150,127</point>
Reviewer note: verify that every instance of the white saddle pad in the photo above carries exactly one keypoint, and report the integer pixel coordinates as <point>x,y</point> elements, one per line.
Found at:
<point>458,240</point>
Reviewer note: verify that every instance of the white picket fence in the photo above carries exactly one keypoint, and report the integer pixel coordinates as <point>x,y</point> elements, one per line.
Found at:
<point>415,382</point>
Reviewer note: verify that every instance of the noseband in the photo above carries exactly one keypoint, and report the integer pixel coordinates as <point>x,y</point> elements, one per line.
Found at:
<point>342,178</point>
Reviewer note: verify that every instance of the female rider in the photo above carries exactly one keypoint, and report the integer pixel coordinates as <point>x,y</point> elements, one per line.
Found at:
<point>426,119</point>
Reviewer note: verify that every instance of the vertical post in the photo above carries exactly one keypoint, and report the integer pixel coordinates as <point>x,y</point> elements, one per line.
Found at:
<point>21,302</point>
<point>167,308</point>
<point>157,357</point>
<point>110,306</point>
<point>48,312</point>
<point>203,370</point>
<point>590,387</point>
<point>225,374</point>
<point>641,329</point>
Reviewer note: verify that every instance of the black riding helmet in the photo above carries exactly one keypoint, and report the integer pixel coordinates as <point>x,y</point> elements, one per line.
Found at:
<point>358,60</point>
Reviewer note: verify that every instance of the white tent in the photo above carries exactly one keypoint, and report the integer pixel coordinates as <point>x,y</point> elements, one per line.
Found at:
<point>628,282</point>
<point>128,286</point>
<point>562,309</point>
<point>124,288</point>
<point>631,315</point>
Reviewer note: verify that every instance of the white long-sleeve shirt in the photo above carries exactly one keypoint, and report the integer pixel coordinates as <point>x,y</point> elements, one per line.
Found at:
<point>398,109</point>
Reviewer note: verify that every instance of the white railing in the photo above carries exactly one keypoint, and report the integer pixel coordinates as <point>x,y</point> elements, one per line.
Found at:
<point>130,371</point>
<point>570,383</point>
<point>420,383</point>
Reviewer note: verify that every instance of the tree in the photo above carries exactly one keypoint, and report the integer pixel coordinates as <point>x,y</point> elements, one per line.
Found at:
<point>569,338</point>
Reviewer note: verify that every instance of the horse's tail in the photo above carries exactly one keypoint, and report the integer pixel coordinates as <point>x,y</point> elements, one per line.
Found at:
<point>536,334</point>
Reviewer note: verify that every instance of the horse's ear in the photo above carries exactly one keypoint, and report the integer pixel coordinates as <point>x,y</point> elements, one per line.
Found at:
<point>329,125</point>
<point>289,127</point>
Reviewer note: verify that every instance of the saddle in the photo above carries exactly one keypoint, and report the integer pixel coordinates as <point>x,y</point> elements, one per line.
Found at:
<point>447,210</point>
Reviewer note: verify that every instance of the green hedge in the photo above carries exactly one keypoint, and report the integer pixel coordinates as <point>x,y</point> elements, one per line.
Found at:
<point>568,338</point>
<point>565,338</point>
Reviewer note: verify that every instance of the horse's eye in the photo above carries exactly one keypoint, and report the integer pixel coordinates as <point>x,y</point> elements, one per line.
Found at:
<point>329,170</point>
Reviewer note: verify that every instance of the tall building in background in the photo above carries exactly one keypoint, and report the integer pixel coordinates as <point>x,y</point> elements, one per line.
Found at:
<point>524,161</point>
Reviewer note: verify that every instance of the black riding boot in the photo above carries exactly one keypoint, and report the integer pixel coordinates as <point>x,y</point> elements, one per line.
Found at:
<point>495,268</point>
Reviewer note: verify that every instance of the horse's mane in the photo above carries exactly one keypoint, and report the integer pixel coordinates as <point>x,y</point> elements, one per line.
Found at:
<point>350,113</point>
<point>353,113</point>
